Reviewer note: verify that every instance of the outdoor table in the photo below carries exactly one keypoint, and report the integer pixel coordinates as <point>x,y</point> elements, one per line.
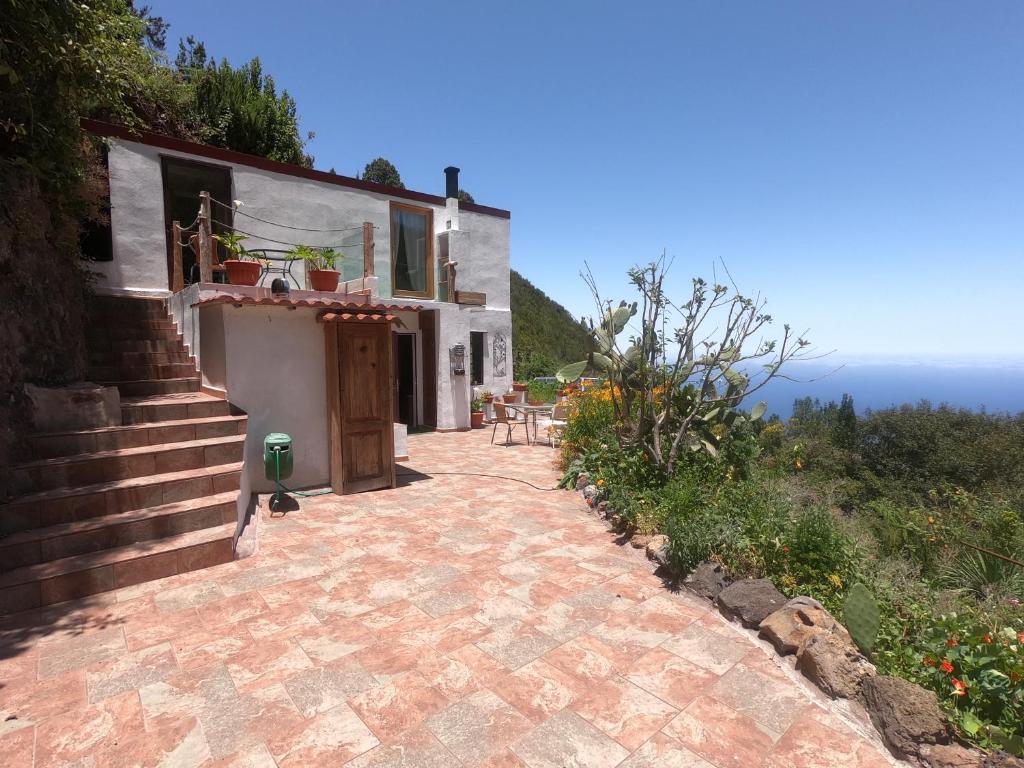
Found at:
<point>530,412</point>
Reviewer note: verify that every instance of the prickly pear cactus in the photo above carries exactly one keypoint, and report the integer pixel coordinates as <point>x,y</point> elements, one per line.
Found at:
<point>860,614</point>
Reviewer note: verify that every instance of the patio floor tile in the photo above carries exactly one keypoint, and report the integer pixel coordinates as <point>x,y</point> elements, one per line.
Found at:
<point>452,621</point>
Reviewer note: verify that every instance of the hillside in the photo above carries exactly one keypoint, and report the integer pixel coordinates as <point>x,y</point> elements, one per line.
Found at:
<point>545,336</point>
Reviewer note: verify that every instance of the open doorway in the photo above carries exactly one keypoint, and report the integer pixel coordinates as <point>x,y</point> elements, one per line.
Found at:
<point>183,181</point>
<point>405,379</point>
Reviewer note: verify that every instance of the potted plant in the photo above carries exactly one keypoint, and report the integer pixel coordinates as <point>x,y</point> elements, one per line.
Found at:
<point>242,268</point>
<point>476,414</point>
<point>519,386</point>
<point>320,263</point>
<point>487,396</point>
<point>541,392</point>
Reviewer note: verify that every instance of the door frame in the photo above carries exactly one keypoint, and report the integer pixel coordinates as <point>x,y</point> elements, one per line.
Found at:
<point>165,160</point>
<point>417,374</point>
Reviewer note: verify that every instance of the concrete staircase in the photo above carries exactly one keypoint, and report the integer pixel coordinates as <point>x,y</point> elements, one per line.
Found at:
<point>111,507</point>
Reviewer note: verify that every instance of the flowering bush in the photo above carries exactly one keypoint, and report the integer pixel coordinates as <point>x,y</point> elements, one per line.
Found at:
<point>978,673</point>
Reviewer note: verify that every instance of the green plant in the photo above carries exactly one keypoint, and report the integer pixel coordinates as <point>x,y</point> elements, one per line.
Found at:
<point>232,242</point>
<point>476,405</point>
<point>544,391</point>
<point>315,258</point>
<point>861,616</point>
<point>977,670</point>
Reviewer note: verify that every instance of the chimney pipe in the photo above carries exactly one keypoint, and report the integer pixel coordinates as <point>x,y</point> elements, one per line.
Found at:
<point>451,181</point>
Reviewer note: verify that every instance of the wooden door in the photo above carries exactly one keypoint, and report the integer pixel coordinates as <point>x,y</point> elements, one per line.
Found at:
<point>362,436</point>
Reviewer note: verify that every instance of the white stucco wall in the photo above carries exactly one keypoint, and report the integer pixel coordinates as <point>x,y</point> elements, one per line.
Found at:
<point>274,362</point>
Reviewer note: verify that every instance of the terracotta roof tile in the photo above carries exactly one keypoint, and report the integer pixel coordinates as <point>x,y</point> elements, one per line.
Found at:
<point>269,301</point>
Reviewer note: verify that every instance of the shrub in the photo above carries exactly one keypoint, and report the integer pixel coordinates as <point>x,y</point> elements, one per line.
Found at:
<point>977,670</point>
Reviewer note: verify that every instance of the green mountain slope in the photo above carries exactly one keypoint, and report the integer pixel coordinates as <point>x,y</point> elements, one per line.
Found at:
<point>544,335</point>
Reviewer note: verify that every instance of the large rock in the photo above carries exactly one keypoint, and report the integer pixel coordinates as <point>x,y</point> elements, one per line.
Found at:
<point>832,663</point>
<point>657,549</point>
<point>590,493</point>
<point>796,621</point>
<point>907,716</point>
<point>750,601</point>
<point>582,481</point>
<point>707,580</point>
<point>639,541</point>
<point>1000,759</point>
<point>78,406</point>
<point>951,756</point>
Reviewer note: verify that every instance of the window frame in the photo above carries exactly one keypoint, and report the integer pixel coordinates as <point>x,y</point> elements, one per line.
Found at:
<point>429,266</point>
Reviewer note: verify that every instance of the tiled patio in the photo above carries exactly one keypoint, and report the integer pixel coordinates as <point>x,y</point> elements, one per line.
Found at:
<point>454,621</point>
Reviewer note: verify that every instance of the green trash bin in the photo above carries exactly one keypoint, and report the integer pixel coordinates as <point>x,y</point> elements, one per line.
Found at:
<point>278,460</point>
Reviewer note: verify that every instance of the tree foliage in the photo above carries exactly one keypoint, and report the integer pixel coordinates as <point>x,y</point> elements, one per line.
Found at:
<point>240,108</point>
<point>465,197</point>
<point>382,171</point>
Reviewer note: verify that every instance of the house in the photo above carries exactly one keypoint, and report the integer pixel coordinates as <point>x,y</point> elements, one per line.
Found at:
<point>268,359</point>
<point>194,373</point>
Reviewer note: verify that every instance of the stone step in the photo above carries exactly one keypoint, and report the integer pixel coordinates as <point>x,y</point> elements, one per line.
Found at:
<point>55,542</point>
<point>82,575</point>
<point>144,387</point>
<point>103,324</point>
<point>68,505</point>
<point>125,463</point>
<point>174,407</point>
<point>132,330</point>
<point>109,358</point>
<point>103,308</point>
<point>120,346</point>
<point>129,372</point>
<point>55,444</point>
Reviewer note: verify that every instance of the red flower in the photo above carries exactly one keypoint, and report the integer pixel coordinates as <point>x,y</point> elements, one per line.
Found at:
<point>945,666</point>
<point>959,688</point>
<point>785,548</point>
<point>952,643</point>
<point>987,639</point>
<point>928,661</point>
<point>1020,637</point>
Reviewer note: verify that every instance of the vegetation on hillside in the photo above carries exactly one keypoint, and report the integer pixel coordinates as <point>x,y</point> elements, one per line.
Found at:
<point>544,335</point>
<point>919,509</point>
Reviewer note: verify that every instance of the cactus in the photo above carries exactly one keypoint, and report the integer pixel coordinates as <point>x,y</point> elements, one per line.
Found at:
<point>860,613</point>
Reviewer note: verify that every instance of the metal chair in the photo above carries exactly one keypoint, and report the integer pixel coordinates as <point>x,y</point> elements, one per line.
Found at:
<point>501,417</point>
<point>559,418</point>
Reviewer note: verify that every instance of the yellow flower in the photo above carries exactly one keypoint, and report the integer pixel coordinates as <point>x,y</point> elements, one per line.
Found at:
<point>798,463</point>
<point>835,581</point>
<point>600,482</point>
<point>931,520</point>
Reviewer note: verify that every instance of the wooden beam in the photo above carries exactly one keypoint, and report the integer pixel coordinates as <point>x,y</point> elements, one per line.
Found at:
<point>471,297</point>
<point>205,239</point>
<point>337,467</point>
<point>177,272</point>
<point>368,249</point>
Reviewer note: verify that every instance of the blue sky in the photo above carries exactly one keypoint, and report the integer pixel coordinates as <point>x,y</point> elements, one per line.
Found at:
<point>859,164</point>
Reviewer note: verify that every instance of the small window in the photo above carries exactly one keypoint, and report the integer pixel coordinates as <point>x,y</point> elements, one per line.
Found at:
<point>412,262</point>
<point>476,357</point>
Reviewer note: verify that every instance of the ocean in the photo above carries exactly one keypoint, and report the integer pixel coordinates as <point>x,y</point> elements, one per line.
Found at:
<point>979,384</point>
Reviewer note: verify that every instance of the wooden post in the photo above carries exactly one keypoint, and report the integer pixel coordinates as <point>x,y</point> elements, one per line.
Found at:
<point>177,273</point>
<point>205,239</point>
<point>367,249</point>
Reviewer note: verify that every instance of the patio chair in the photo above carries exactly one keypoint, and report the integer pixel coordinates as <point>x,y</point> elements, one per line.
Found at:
<point>559,418</point>
<point>501,417</point>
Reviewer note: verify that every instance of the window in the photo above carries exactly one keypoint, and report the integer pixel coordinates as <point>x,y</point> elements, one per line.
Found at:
<point>412,262</point>
<point>476,357</point>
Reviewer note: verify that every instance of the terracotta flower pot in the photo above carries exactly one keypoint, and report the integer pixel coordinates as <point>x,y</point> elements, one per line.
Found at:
<point>519,387</point>
<point>535,402</point>
<point>324,279</point>
<point>476,419</point>
<point>243,272</point>
<point>488,398</point>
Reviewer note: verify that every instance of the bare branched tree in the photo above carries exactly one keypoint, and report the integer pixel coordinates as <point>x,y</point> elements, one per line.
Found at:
<point>679,389</point>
